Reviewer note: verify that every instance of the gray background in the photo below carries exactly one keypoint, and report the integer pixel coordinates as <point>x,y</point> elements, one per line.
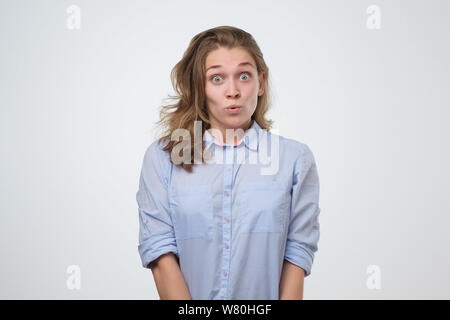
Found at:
<point>77,111</point>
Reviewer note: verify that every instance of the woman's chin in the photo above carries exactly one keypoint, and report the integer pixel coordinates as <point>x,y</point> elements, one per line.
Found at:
<point>237,122</point>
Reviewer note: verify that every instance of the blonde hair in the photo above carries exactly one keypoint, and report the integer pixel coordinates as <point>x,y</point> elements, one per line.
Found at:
<point>188,79</point>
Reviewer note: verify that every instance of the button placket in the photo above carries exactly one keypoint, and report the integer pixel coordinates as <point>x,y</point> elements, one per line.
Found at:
<point>226,229</point>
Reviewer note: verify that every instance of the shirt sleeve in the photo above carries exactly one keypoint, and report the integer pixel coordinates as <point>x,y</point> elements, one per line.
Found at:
<point>304,232</point>
<point>156,233</point>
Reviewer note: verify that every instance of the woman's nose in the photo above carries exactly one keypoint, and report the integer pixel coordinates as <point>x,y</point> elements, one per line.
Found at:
<point>232,90</point>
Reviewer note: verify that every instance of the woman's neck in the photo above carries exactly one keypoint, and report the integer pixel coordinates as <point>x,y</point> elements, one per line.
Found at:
<point>235,136</point>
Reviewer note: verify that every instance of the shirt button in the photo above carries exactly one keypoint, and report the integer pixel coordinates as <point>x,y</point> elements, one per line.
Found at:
<point>227,220</point>
<point>227,194</point>
<point>227,246</point>
<point>225,273</point>
<point>228,169</point>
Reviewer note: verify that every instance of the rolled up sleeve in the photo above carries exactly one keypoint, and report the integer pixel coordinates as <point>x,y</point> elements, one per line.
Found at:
<point>156,233</point>
<point>304,228</point>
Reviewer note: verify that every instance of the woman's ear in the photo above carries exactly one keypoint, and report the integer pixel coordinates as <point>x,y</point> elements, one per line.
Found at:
<point>262,81</point>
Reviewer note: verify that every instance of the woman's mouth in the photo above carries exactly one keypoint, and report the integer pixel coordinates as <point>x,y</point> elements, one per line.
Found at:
<point>233,109</point>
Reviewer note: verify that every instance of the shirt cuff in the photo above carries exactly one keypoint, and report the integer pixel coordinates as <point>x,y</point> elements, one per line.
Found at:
<point>298,255</point>
<point>148,254</point>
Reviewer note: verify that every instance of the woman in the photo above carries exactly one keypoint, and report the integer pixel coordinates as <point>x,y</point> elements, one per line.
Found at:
<point>215,223</point>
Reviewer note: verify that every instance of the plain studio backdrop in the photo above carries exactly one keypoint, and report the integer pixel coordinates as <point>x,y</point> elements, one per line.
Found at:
<point>365,84</point>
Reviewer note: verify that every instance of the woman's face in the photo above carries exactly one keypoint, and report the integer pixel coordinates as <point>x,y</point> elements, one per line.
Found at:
<point>231,79</point>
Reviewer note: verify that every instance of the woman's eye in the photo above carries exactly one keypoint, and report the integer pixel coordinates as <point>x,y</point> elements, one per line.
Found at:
<point>246,74</point>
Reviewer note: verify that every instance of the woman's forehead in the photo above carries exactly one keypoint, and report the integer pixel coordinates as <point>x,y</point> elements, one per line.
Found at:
<point>224,57</point>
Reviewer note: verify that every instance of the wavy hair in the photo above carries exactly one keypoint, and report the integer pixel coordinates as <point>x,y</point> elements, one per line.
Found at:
<point>188,79</point>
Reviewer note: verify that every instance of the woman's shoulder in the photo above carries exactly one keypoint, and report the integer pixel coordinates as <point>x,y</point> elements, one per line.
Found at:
<point>157,161</point>
<point>295,147</point>
<point>155,153</point>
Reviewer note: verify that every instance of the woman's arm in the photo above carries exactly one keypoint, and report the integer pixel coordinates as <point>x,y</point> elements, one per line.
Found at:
<point>168,278</point>
<point>291,282</point>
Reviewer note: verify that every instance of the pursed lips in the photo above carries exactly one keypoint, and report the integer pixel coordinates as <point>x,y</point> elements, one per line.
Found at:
<point>234,106</point>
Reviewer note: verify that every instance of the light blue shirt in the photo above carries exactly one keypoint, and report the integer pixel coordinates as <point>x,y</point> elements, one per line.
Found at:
<point>231,224</point>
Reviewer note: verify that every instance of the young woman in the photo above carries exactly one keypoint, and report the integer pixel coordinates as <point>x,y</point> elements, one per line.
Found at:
<point>228,210</point>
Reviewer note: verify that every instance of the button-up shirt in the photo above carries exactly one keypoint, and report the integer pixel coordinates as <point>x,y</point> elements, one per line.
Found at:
<point>233,220</point>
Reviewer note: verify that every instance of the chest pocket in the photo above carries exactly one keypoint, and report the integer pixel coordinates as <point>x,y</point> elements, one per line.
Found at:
<point>263,207</point>
<point>192,212</point>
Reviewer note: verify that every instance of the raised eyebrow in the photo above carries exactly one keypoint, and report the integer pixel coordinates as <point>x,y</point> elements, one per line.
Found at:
<point>239,65</point>
<point>220,73</point>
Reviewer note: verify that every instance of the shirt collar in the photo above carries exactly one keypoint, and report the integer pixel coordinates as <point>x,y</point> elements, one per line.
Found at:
<point>250,137</point>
